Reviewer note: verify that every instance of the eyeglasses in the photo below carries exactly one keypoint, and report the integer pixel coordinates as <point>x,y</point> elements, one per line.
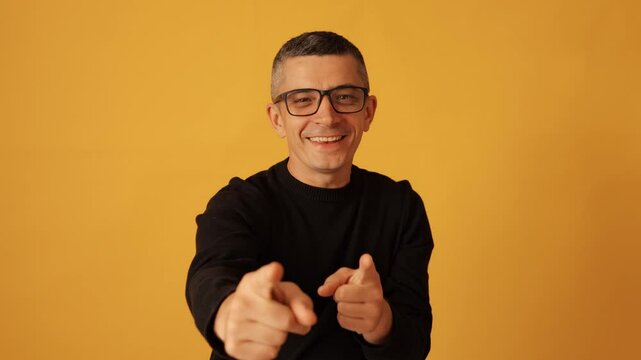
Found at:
<point>345,99</point>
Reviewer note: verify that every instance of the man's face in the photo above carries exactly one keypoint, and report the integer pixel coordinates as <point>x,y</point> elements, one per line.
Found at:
<point>322,145</point>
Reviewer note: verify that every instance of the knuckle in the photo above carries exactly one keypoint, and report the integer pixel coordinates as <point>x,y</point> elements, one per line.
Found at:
<point>245,281</point>
<point>232,327</point>
<point>343,321</point>
<point>370,325</point>
<point>237,306</point>
<point>375,293</point>
<point>339,293</point>
<point>340,307</point>
<point>231,347</point>
<point>280,337</point>
<point>290,321</point>
<point>272,352</point>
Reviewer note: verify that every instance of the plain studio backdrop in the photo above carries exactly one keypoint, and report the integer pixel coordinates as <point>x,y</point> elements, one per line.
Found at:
<point>518,122</point>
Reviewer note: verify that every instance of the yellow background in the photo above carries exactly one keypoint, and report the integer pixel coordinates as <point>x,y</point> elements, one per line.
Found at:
<point>519,123</point>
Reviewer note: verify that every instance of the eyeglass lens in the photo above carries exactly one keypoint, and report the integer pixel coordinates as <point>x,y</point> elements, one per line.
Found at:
<point>344,100</point>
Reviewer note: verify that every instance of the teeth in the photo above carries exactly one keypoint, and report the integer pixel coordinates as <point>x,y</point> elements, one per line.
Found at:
<point>325,138</point>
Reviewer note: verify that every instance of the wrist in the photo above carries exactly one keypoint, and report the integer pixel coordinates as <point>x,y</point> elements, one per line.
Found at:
<point>220,320</point>
<point>383,329</point>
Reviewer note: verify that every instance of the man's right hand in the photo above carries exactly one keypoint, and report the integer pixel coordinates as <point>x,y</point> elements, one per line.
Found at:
<point>254,321</point>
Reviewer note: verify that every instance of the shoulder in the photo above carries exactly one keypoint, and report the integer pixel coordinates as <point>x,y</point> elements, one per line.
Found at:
<point>373,181</point>
<point>242,193</point>
<point>393,193</point>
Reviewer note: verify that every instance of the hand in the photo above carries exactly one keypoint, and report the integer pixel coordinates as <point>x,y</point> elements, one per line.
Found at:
<point>254,321</point>
<point>359,298</point>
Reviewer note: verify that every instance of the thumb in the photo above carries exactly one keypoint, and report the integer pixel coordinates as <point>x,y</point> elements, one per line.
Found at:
<point>366,271</point>
<point>266,277</point>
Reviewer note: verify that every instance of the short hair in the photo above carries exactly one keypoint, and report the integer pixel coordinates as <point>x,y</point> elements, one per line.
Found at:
<point>315,43</point>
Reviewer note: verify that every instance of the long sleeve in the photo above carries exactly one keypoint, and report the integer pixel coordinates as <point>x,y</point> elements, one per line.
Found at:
<point>406,288</point>
<point>227,247</point>
<point>312,232</point>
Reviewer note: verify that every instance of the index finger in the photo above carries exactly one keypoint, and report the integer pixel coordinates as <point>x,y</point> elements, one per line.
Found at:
<point>276,315</point>
<point>340,277</point>
<point>358,293</point>
<point>263,280</point>
<point>300,304</point>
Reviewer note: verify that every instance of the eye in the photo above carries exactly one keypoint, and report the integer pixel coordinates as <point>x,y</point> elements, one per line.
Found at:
<point>344,97</point>
<point>302,98</point>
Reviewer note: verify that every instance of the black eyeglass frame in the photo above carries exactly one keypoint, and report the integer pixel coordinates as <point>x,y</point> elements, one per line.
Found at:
<point>283,97</point>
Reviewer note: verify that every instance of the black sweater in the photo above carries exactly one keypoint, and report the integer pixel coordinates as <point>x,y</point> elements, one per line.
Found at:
<point>313,232</point>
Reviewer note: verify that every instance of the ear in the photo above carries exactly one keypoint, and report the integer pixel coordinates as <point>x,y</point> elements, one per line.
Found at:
<point>370,110</point>
<point>275,119</point>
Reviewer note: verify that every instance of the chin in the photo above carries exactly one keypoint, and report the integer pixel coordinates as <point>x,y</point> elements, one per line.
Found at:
<point>331,165</point>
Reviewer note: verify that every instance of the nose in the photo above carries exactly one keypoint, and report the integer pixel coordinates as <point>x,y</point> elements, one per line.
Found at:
<point>326,115</point>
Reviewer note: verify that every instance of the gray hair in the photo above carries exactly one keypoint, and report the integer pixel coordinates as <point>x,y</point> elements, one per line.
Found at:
<point>315,43</point>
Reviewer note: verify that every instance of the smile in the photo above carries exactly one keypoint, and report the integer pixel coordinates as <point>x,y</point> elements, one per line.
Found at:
<point>326,139</point>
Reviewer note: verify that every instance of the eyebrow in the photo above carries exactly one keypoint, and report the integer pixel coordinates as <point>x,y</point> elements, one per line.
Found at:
<point>331,88</point>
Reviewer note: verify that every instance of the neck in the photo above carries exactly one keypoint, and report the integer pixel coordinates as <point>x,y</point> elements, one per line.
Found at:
<point>329,180</point>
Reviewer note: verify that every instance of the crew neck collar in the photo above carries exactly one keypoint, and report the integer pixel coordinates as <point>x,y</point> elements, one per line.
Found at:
<point>313,192</point>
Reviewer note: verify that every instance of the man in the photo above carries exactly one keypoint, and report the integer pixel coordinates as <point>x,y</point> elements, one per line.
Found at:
<point>314,258</point>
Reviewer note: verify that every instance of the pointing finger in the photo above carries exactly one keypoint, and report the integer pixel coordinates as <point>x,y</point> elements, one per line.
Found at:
<point>300,304</point>
<point>271,273</point>
<point>266,277</point>
<point>366,271</point>
<point>340,277</point>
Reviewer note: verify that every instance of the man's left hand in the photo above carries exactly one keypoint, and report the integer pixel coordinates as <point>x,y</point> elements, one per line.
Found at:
<point>359,298</point>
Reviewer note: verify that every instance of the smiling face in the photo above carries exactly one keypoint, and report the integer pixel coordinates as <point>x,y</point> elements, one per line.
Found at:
<point>321,146</point>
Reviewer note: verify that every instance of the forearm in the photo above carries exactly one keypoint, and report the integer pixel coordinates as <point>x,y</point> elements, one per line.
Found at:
<point>408,339</point>
<point>207,288</point>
